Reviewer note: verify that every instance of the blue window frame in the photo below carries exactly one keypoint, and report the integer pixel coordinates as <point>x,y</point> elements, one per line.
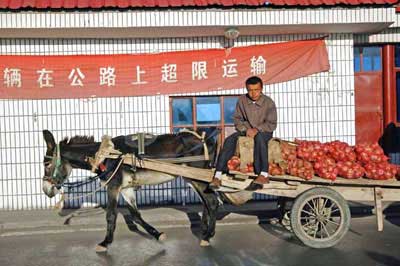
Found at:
<point>357,59</point>
<point>229,108</point>
<point>202,112</point>
<point>182,111</point>
<point>208,110</point>
<point>397,55</point>
<point>398,96</point>
<point>397,71</point>
<point>367,59</point>
<point>372,60</point>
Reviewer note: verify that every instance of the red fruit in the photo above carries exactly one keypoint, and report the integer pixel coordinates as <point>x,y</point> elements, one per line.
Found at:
<point>374,158</point>
<point>317,165</point>
<point>388,175</point>
<point>350,173</point>
<point>380,172</point>
<point>250,168</point>
<point>230,165</point>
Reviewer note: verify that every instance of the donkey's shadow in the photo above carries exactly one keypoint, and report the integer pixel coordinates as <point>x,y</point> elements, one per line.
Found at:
<point>266,219</point>
<point>71,214</point>
<point>264,216</point>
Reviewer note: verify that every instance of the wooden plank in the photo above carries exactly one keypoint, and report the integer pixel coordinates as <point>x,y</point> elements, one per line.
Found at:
<point>390,194</point>
<point>340,180</point>
<point>242,184</point>
<point>200,174</point>
<point>289,193</point>
<point>378,208</point>
<point>355,193</point>
<point>242,177</point>
<point>348,192</point>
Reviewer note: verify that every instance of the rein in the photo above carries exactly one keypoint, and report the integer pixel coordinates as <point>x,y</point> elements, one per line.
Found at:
<point>104,184</point>
<point>53,179</point>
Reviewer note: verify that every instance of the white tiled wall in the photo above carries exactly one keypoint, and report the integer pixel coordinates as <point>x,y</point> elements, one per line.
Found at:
<point>319,107</point>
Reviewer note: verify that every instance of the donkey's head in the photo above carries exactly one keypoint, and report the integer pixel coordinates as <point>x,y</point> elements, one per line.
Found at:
<point>56,169</point>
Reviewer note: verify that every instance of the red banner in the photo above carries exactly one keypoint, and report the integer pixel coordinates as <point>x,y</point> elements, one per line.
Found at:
<point>44,77</point>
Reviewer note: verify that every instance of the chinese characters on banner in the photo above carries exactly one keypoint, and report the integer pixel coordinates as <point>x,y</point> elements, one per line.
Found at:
<point>44,77</point>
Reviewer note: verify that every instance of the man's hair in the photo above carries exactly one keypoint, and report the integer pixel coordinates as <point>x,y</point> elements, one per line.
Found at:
<point>254,80</point>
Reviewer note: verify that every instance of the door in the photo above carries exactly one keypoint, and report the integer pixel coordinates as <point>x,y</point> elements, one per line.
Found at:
<point>368,85</point>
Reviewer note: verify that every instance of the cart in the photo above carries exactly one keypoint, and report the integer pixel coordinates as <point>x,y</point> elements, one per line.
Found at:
<point>320,215</point>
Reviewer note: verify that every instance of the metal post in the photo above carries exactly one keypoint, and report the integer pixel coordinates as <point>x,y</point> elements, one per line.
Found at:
<point>388,85</point>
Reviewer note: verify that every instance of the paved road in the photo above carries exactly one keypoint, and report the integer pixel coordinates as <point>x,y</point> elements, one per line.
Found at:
<point>234,244</point>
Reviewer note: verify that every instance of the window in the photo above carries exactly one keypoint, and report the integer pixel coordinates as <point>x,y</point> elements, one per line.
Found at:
<point>183,111</point>
<point>357,59</point>
<point>203,112</point>
<point>208,110</point>
<point>397,71</point>
<point>229,109</point>
<point>398,95</point>
<point>367,59</point>
<point>397,56</point>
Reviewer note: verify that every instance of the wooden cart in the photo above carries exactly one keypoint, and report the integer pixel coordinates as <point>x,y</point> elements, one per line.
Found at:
<point>320,215</point>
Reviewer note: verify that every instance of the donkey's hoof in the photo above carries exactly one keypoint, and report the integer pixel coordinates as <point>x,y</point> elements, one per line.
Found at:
<point>100,249</point>
<point>204,243</point>
<point>162,237</point>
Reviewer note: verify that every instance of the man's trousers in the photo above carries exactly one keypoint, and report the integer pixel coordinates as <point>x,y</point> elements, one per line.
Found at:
<point>260,152</point>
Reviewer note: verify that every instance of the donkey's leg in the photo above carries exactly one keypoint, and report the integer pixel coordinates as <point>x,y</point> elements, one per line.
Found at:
<point>209,215</point>
<point>111,216</point>
<point>129,195</point>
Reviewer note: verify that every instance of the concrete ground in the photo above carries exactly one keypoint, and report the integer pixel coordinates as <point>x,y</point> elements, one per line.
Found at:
<point>41,238</point>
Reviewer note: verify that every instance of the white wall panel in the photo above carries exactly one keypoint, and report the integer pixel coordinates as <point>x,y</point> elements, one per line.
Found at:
<point>132,20</point>
<point>391,35</point>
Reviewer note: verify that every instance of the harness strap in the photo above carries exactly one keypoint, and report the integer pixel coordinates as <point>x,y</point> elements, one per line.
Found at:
<point>63,197</point>
<point>58,161</point>
<point>141,145</point>
<point>186,159</point>
<point>202,138</point>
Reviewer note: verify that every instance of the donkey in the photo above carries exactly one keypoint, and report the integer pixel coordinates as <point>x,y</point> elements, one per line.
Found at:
<point>75,152</point>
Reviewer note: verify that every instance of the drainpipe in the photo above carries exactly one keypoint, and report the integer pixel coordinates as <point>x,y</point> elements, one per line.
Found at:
<point>388,86</point>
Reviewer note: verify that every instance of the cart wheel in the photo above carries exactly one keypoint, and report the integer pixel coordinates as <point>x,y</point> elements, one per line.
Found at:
<point>320,217</point>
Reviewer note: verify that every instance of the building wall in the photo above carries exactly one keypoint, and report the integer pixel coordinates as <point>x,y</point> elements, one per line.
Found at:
<point>318,107</point>
<point>389,35</point>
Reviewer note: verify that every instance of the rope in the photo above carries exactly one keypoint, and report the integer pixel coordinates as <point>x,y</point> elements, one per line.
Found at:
<point>80,183</point>
<point>63,197</point>
<point>203,135</point>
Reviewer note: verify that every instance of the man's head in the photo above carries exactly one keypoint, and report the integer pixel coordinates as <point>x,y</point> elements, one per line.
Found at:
<point>254,87</point>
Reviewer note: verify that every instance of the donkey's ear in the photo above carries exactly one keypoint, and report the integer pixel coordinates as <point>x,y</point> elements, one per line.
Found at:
<point>48,137</point>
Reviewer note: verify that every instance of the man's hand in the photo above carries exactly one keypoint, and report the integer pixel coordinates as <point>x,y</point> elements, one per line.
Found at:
<point>251,132</point>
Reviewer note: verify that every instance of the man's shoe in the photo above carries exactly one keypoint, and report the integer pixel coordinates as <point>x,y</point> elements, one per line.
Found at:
<point>215,183</point>
<point>261,180</point>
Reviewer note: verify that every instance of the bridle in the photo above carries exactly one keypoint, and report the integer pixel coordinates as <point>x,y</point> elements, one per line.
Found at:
<point>57,157</point>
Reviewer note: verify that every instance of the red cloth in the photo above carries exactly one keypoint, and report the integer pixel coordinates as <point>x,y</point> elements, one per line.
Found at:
<point>41,77</point>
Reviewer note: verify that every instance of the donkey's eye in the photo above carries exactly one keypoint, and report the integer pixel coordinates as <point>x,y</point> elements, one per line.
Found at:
<point>47,164</point>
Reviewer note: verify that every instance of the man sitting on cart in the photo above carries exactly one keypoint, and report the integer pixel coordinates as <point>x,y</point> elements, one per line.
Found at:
<point>255,117</point>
